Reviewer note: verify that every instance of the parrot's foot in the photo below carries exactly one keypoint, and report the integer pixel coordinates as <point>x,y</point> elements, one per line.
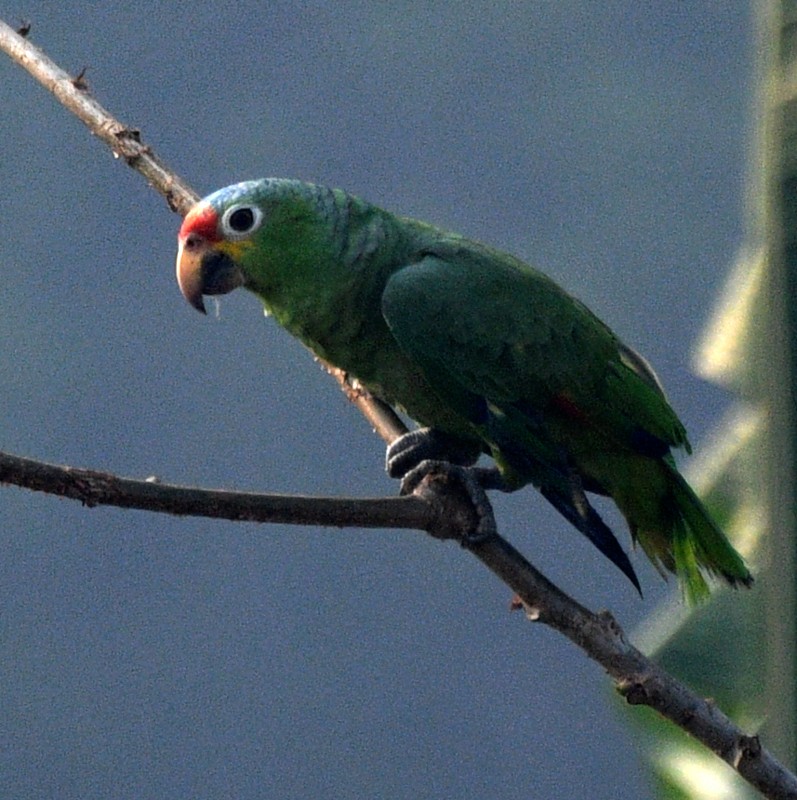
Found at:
<point>427,444</point>
<point>491,479</point>
<point>421,481</point>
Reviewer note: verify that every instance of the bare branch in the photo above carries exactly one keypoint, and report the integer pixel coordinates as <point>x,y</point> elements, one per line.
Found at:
<point>441,512</point>
<point>125,142</point>
<point>94,488</point>
<point>384,420</point>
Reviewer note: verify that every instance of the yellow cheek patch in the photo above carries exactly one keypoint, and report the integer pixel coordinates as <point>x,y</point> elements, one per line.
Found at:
<point>235,250</point>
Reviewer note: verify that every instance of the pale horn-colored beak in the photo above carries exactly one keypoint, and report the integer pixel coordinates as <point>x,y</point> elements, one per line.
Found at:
<point>190,253</point>
<point>204,268</point>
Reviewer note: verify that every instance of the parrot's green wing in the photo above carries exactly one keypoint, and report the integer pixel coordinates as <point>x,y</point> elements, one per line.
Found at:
<point>561,402</point>
<point>490,332</point>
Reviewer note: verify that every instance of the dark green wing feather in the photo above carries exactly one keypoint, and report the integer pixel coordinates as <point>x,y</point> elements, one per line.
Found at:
<point>484,325</point>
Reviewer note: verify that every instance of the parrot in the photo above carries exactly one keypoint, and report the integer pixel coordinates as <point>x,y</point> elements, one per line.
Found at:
<point>489,356</point>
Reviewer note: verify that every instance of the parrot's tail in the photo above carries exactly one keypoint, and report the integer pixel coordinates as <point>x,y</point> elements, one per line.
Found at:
<point>697,546</point>
<point>576,508</point>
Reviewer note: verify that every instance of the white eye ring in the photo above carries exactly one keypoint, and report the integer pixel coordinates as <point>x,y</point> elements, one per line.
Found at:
<point>240,221</point>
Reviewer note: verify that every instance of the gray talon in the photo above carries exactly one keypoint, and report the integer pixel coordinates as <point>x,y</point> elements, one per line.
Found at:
<point>428,444</point>
<point>470,480</point>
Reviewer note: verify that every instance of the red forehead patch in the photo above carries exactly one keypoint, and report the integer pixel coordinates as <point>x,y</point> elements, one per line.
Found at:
<point>202,220</point>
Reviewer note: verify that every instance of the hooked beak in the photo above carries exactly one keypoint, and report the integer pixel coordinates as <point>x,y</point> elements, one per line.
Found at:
<point>203,268</point>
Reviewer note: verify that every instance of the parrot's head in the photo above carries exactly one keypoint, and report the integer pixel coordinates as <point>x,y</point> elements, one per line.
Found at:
<point>279,238</point>
<point>258,234</point>
<point>213,241</point>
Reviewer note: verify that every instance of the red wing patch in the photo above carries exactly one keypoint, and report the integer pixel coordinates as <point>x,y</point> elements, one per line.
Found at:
<point>566,405</point>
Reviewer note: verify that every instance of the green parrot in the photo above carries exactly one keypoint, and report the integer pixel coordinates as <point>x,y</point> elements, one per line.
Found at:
<point>487,354</point>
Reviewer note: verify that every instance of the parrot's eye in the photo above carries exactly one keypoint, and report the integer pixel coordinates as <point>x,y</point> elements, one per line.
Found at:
<point>238,222</point>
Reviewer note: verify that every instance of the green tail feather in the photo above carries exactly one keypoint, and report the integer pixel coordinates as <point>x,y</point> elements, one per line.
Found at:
<point>699,546</point>
<point>687,565</point>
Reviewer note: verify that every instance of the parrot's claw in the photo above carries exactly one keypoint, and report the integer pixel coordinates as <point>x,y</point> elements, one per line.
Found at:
<point>491,479</point>
<point>415,482</point>
<point>427,444</point>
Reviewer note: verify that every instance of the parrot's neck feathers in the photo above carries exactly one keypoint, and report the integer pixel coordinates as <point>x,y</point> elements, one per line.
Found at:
<point>365,240</point>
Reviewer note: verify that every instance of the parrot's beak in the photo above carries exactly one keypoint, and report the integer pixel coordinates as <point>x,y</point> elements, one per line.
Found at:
<point>204,268</point>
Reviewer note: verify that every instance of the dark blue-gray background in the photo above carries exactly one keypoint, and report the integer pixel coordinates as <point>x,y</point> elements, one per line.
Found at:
<point>145,656</point>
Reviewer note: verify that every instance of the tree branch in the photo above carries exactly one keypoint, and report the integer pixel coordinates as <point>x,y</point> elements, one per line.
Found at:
<point>93,488</point>
<point>440,510</point>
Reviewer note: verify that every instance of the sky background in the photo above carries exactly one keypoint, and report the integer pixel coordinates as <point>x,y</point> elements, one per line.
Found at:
<point>145,656</point>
